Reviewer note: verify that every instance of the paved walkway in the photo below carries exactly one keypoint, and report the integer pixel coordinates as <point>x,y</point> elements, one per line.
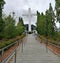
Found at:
<point>34,52</point>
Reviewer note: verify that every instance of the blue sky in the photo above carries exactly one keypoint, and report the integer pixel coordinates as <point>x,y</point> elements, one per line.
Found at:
<point>21,6</point>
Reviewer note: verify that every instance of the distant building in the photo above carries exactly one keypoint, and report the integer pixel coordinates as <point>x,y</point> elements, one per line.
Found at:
<point>33,27</point>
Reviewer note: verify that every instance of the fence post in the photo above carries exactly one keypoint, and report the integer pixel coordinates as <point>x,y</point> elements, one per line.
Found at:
<point>47,44</point>
<point>22,45</point>
<point>2,52</point>
<point>15,56</point>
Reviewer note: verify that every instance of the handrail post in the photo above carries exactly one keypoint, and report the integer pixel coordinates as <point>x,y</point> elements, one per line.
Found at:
<point>15,56</point>
<point>22,46</point>
<point>47,44</point>
<point>2,52</point>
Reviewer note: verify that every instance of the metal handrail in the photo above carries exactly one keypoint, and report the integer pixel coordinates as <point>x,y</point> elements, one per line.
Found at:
<point>9,57</point>
<point>6,48</point>
<point>54,45</point>
<point>11,54</point>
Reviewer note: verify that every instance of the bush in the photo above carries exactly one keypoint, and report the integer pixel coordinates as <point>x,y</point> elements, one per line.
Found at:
<point>2,45</point>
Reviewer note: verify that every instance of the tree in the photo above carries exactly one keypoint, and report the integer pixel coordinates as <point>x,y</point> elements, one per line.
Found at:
<point>2,2</point>
<point>1,20</point>
<point>21,20</point>
<point>57,6</point>
<point>46,23</point>
<point>40,23</point>
<point>20,26</point>
<point>51,21</point>
<point>38,15</point>
<point>10,28</point>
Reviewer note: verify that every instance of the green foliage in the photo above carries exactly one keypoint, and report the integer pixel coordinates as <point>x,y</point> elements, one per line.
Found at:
<point>46,23</point>
<point>20,26</point>
<point>1,20</point>
<point>58,18</point>
<point>6,43</point>
<point>50,20</point>
<point>57,3</point>
<point>57,36</point>
<point>2,2</point>
<point>58,10</point>
<point>41,23</point>
<point>10,28</point>
<point>2,45</point>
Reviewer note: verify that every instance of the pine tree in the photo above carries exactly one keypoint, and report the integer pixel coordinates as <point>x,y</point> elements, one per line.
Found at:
<point>21,20</point>
<point>20,26</point>
<point>58,11</point>
<point>38,15</point>
<point>2,2</point>
<point>46,23</point>
<point>51,21</point>
<point>1,20</point>
<point>10,28</point>
<point>41,23</point>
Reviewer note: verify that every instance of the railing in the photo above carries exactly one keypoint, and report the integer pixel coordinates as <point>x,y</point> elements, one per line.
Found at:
<point>49,42</point>
<point>11,54</point>
<point>54,45</point>
<point>6,47</point>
